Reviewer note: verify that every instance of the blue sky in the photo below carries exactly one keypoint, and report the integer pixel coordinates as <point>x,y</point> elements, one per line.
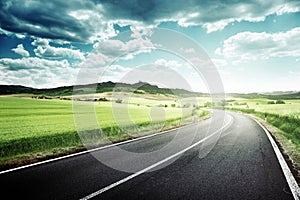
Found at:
<point>253,44</point>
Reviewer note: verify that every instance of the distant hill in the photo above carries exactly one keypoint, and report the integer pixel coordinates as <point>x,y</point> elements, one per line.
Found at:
<point>140,87</point>
<point>19,89</point>
<point>270,95</point>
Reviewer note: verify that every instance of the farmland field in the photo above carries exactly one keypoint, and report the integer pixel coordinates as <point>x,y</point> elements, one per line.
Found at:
<point>290,107</point>
<point>37,127</point>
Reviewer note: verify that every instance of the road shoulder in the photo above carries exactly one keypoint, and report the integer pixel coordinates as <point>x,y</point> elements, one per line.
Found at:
<point>281,146</point>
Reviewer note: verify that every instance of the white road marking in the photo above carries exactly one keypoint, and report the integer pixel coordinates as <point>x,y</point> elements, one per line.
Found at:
<point>285,168</point>
<point>95,149</point>
<point>155,164</point>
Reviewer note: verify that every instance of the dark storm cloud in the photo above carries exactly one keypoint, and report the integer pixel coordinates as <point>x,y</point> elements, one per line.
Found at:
<point>77,20</point>
<point>151,11</point>
<point>132,9</point>
<point>47,19</point>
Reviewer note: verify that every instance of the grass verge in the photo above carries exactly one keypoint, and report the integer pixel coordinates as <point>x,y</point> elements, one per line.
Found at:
<point>285,131</point>
<point>21,151</point>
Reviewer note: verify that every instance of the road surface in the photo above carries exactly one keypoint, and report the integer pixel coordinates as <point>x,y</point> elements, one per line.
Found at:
<point>229,159</point>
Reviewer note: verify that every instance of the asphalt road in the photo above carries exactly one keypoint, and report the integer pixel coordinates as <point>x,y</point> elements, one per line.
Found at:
<point>194,162</point>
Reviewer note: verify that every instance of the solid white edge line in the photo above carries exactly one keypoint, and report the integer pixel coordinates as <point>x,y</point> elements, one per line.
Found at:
<point>155,164</point>
<point>96,149</point>
<point>285,168</point>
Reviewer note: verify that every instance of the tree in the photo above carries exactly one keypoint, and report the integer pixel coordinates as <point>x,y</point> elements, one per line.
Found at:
<point>279,101</point>
<point>102,99</point>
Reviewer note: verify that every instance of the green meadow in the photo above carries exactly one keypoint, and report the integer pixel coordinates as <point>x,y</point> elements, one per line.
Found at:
<point>289,107</point>
<point>37,128</point>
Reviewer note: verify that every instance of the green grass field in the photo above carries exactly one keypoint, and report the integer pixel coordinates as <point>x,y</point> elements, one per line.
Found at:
<point>37,127</point>
<point>291,107</point>
<point>285,116</point>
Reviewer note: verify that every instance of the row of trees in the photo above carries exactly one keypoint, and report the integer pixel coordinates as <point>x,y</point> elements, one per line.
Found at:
<point>279,101</point>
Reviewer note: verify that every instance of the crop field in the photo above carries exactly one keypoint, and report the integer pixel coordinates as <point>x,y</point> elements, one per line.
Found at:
<point>31,127</point>
<point>290,107</point>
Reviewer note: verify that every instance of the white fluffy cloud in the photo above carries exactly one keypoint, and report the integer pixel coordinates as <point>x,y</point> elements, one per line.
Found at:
<point>114,49</point>
<point>219,62</point>
<point>36,72</point>
<point>21,51</point>
<point>20,36</point>
<point>168,63</point>
<point>44,50</point>
<point>40,42</point>
<point>37,78</point>
<point>58,52</point>
<point>32,63</point>
<point>253,46</point>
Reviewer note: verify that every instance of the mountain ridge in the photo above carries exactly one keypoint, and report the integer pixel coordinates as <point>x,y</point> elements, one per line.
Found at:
<point>89,88</point>
<point>138,87</point>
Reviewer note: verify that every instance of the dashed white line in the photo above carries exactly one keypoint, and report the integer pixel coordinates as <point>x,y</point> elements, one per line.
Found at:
<point>155,164</point>
<point>95,149</point>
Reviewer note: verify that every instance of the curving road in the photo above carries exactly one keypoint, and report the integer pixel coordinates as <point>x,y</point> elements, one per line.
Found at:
<point>227,157</point>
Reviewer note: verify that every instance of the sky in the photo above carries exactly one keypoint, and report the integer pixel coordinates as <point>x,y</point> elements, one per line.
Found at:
<point>245,46</point>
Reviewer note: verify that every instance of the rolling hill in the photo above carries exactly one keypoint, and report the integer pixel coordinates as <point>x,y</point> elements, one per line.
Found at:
<point>140,87</point>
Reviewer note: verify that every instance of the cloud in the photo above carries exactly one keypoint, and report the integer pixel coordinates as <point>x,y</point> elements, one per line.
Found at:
<point>220,25</point>
<point>44,50</point>
<point>219,62</point>
<point>20,36</point>
<point>40,42</point>
<point>211,14</point>
<point>75,21</point>
<point>39,79</point>
<point>168,63</point>
<point>101,62</point>
<point>188,50</point>
<point>58,52</point>
<point>158,75</point>
<point>253,46</point>
<point>114,49</point>
<point>90,20</point>
<point>32,63</point>
<point>36,72</point>
<point>21,51</point>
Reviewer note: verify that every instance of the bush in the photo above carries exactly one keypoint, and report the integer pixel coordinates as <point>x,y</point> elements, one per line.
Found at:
<point>279,101</point>
<point>119,101</point>
<point>187,105</point>
<point>271,102</point>
<point>139,92</point>
<point>209,104</point>
<point>102,99</point>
